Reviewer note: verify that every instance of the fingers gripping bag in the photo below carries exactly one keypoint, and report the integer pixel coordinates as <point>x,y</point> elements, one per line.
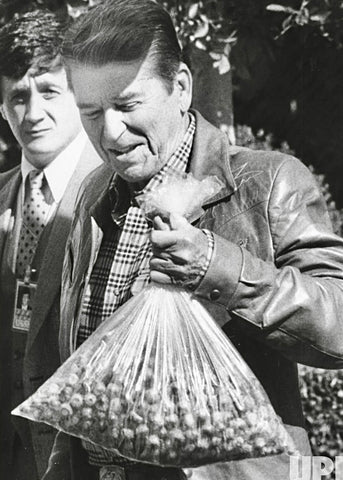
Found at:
<point>158,381</point>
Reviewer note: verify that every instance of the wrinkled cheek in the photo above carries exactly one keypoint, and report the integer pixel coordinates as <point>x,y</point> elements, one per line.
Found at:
<point>89,128</point>
<point>15,122</point>
<point>95,138</point>
<point>148,156</point>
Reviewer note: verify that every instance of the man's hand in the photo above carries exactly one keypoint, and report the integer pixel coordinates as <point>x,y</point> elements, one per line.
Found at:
<point>179,252</point>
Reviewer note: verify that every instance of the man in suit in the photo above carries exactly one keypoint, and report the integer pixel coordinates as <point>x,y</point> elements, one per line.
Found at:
<point>261,255</point>
<point>36,204</point>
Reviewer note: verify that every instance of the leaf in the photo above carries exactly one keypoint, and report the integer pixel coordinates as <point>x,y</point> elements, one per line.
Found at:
<point>333,382</point>
<point>200,45</point>
<point>227,50</point>
<point>319,17</point>
<point>215,56</point>
<point>304,4</point>
<point>223,65</point>
<point>273,7</point>
<point>231,39</point>
<point>193,10</point>
<point>302,18</point>
<point>202,30</point>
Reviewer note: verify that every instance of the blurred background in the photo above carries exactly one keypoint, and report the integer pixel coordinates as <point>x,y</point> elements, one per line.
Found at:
<point>271,76</point>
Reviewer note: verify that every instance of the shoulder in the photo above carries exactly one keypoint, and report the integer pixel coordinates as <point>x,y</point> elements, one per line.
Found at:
<point>268,159</point>
<point>89,158</point>
<point>274,181</point>
<point>269,166</point>
<point>94,186</point>
<point>212,151</point>
<point>97,180</point>
<point>8,176</point>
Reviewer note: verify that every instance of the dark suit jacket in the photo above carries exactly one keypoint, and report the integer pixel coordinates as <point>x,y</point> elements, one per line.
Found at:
<point>41,356</point>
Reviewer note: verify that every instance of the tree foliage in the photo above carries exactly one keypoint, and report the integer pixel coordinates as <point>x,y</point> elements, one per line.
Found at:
<point>322,399</point>
<point>322,16</point>
<point>215,26</point>
<point>201,24</point>
<point>209,25</point>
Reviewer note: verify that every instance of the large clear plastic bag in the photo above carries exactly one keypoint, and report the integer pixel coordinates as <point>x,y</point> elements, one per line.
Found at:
<point>159,381</point>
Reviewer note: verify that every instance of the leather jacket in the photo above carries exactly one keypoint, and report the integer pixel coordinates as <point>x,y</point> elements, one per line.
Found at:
<point>275,281</point>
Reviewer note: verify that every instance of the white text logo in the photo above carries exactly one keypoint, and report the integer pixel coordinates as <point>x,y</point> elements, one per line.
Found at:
<point>315,468</point>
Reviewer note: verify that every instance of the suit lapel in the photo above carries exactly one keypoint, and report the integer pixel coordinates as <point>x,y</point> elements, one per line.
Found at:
<point>49,279</point>
<point>8,199</point>
<point>91,242</point>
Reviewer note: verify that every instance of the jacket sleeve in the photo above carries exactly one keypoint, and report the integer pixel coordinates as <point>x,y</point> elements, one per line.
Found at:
<point>294,303</point>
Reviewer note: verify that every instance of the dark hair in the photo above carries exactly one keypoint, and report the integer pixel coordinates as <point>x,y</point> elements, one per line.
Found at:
<point>31,40</point>
<point>125,30</point>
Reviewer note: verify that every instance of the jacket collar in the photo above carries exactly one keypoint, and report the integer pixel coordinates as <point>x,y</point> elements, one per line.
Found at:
<point>9,187</point>
<point>210,156</point>
<point>99,203</point>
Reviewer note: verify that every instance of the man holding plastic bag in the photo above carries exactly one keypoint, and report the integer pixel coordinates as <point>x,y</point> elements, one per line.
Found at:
<point>260,255</point>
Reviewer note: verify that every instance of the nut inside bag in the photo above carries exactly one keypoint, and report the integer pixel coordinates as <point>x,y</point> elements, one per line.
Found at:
<point>158,381</point>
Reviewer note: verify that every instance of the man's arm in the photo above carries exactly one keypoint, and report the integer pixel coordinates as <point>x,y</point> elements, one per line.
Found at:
<point>294,303</point>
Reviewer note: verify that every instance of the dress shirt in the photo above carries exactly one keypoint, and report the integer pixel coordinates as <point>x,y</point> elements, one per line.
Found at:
<point>59,171</point>
<point>58,174</point>
<point>122,266</point>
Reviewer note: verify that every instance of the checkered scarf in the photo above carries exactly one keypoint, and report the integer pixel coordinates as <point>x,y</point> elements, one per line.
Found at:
<point>122,266</point>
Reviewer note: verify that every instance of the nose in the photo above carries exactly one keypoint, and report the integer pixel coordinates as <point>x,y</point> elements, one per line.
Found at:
<point>113,128</point>
<point>34,109</point>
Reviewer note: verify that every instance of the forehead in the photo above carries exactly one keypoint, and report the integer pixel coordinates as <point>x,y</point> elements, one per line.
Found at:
<point>92,83</point>
<point>30,80</point>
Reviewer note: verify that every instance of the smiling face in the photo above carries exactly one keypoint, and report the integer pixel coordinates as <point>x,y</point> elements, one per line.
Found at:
<point>42,114</point>
<point>129,114</point>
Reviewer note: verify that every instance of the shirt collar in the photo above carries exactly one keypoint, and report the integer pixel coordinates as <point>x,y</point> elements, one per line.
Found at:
<point>177,163</point>
<point>59,171</point>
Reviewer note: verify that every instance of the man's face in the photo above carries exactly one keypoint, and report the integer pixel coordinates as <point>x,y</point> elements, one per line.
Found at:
<point>132,119</point>
<point>42,114</point>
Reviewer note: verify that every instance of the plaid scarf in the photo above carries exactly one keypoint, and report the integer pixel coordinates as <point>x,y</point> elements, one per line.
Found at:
<point>122,266</point>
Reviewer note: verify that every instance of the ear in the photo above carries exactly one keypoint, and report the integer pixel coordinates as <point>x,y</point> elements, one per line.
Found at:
<point>184,84</point>
<point>3,113</point>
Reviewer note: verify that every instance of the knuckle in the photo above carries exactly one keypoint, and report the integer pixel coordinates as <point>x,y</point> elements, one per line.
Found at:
<point>153,237</point>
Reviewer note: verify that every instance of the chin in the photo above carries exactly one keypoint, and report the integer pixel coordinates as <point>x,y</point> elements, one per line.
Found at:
<point>135,179</point>
<point>133,174</point>
<point>40,158</point>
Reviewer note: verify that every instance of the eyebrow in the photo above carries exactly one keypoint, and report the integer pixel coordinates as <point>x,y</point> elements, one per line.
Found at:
<point>120,98</point>
<point>126,96</point>
<point>48,84</point>
<point>18,91</point>
<point>86,105</point>
<point>25,89</point>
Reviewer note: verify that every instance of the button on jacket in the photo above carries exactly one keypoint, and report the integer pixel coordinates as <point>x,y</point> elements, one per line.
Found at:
<point>275,281</point>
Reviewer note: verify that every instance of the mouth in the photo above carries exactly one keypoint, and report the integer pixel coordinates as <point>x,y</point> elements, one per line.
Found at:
<point>124,150</point>
<point>37,132</point>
